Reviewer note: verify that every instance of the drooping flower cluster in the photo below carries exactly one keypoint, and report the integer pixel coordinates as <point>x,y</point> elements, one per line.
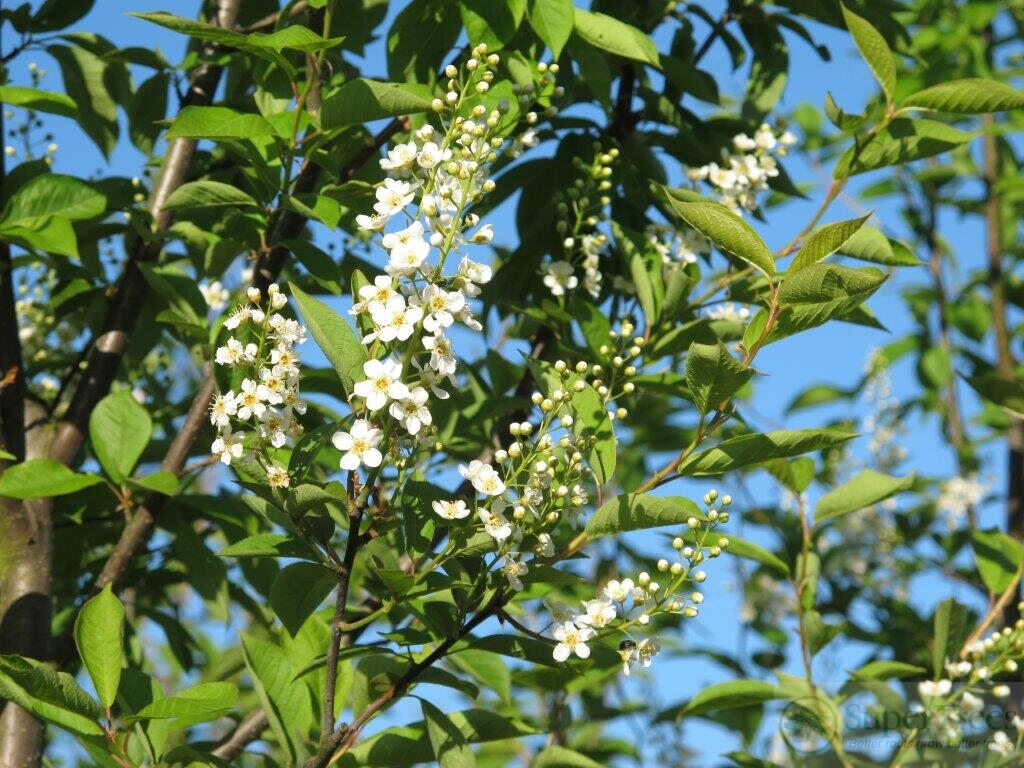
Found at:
<point>580,215</point>
<point>422,217</point>
<point>884,422</point>
<point>262,357</point>
<point>623,606</point>
<point>744,173</point>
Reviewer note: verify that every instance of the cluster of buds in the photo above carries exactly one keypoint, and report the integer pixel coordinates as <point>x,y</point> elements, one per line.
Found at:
<point>628,605</point>
<point>580,214</point>
<point>27,132</point>
<point>622,358</point>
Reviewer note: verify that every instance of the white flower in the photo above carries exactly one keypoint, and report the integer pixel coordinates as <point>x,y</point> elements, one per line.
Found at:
<point>412,411</point>
<point>393,321</point>
<point>360,445</point>
<point>559,277</point>
<point>513,570</point>
<point>431,154</point>
<point>495,524</point>
<point>971,704</point>
<point>407,249</point>
<point>451,510</point>
<point>958,668</point>
<point>545,546</point>
<point>249,400</point>
<point>222,409</point>
<point>272,385</point>
<point>642,652</point>
<point>273,427</point>
<point>378,294</point>
<point>372,223</point>
<point>382,382</point>
<point>440,306</point>
<point>483,477</point>
<point>235,352</point>
<point>484,235</point>
<point>1001,691</point>
<point>442,354</point>
<point>597,613</point>
<point>765,137</point>
<point>934,688</point>
<point>285,361</point>
<point>1001,744</point>
<point>392,197</point>
<point>619,591</point>
<point>215,294</point>
<point>560,612</point>
<point>400,158</point>
<point>474,271</point>
<point>572,639</point>
<point>228,446</point>
<point>743,143</point>
<point>236,318</point>
<point>277,476</point>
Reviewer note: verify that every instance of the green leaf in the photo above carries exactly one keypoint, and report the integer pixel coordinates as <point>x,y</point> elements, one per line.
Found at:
<point>208,194</point>
<point>737,452</point>
<point>297,591</point>
<point>887,670</point>
<point>449,745</point>
<point>162,481</point>
<point>42,478</point>
<point>218,123</point>
<point>999,557</point>
<point>50,695</point>
<point>729,232</point>
<point>867,488</point>
<point>147,110</point>
<point>874,50</point>
<point>826,241</point>
<point>53,194</point>
<point>553,22</point>
<point>361,100</point>
<point>268,545</point>
<point>713,375</point>
<point>950,627</point>
<point>99,636</point>
<point>52,234</point>
<point>561,757</point>
<point>733,695</point>
<point>86,81</point>
<point>199,704</point>
<point>287,705</point>
<point>839,118</point>
<point>637,511</point>
<point>40,101</point>
<point>494,24</point>
<point>610,34</point>
<point>751,551</point>
<point>970,96</point>
<point>869,244</point>
<point>409,745</point>
<point>903,141</point>
<point>821,292</point>
<point>119,430</point>
<point>1008,395</point>
<point>335,337</point>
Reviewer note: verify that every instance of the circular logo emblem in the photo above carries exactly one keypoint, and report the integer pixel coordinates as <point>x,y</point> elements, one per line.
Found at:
<point>809,724</point>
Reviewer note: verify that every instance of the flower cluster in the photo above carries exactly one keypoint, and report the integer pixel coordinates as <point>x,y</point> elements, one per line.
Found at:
<point>958,495</point>
<point>580,214</point>
<point>215,295</point>
<point>422,217</point>
<point>624,605</point>
<point>729,312</point>
<point>885,421</point>
<point>677,246</point>
<point>26,132</point>
<point>952,703</point>
<point>267,403</point>
<point>742,175</point>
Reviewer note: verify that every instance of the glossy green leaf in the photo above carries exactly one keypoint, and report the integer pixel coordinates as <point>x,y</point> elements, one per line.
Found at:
<point>749,550</point>
<point>208,194</point>
<point>969,96</point>
<point>199,704</point>
<point>998,557</point>
<point>873,49</point>
<point>287,706</point>
<point>451,750</point>
<point>869,244</point>
<point>218,123</point>
<point>361,101</point>
<point>297,591</point>
<point>268,545</point>
<point>40,101</point>
<point>732,695</point>
<point>737,452</point>
<point>99,636</point>
<point>41,478</point>
<point>820,292</point>
<point>48,694</point>
<point>637,511</point>
<point>617,37</point>
<point>119,431</point>
<point>54,194</point>
<point>335,337</point>
<point>733,236</point>
<point>866,489</point>
<point>903,141</point>
<point>826,241</point>
<point>553,22</point>
<point>713,375</point>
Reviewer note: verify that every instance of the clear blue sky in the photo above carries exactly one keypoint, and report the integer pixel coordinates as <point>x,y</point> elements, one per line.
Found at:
<point>834,354</point>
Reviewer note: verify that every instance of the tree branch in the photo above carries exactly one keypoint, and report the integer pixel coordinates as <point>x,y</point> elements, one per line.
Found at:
<point>125,308</point>
<point>245,733</point>
<point>12,367</point>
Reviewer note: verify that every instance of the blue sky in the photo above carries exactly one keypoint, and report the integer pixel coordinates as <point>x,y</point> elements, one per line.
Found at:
<point>834,354</point>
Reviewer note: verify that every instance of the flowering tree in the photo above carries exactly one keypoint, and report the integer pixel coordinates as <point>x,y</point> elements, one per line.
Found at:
<point>420,476</point>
